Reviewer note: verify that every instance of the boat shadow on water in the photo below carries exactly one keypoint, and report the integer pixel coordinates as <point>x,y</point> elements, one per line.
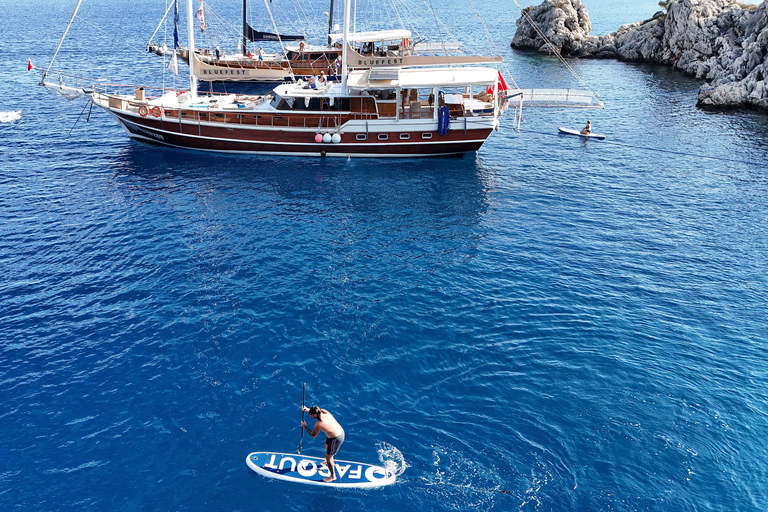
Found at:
<point>428,187</point>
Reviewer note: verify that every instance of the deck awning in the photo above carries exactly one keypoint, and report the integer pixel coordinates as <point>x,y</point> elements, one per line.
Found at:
<point>421,78</point>
<point>381,35</point>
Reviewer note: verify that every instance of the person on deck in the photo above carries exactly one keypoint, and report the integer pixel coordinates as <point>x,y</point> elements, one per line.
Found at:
<point>587,129</point>
<point>261,53</point>
<point>334,434</point>
<point>321,81</point>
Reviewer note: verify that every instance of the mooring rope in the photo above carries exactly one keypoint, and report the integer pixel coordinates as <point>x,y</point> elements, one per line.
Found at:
<point>555,50</point>
<point>655,149</point>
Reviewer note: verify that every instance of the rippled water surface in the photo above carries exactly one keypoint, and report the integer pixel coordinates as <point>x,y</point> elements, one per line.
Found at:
<point>545,325</point>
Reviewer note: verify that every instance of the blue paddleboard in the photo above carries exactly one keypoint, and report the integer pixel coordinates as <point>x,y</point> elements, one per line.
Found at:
<point>308,470</point>
<point>577,133</point>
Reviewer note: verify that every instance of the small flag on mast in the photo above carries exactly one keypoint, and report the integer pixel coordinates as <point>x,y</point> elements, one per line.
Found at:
<point>200,15</point>
<point>175,25</point>
<point>501,85</point>
<point>173,65</point>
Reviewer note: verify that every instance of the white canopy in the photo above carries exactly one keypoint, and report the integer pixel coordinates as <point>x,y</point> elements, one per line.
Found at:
<point>417,78</point>
<point>381,35</point>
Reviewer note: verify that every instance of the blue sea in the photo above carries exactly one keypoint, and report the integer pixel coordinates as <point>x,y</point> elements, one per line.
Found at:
<point>545,325</point>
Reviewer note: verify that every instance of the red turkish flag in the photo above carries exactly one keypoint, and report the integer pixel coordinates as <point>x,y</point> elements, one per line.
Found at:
<point>501,85</point>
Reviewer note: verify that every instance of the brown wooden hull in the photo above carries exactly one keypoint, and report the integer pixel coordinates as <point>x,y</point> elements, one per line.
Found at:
<point>298,141</point>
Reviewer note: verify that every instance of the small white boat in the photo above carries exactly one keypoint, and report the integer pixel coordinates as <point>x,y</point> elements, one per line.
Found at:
<point>577,133</point>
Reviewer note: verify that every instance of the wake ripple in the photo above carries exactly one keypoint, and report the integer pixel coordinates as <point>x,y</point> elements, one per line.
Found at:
<point>9,117</point>
<point>391,458</point>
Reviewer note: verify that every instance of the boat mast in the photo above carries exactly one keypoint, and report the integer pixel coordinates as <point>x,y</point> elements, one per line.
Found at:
<point>344,46</point>
<point>191,41</point>
<point>245,29</point>
<point>330,24</point>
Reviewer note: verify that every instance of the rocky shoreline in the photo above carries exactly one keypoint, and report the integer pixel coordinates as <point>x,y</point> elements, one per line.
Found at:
<point>722,42</point>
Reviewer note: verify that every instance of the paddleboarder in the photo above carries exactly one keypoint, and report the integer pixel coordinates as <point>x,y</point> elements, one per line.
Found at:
<point>328,425</point>
<point>587,129</point>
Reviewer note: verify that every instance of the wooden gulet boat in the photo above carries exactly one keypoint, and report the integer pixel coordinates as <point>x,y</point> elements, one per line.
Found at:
<point>299,60</point>
<point>384,111</point>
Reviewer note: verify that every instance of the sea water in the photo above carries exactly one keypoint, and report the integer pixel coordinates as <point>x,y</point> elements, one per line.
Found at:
<point>547,324</point>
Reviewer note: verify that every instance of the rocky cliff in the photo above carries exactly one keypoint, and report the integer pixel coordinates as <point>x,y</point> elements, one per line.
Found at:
<point>721,41</point>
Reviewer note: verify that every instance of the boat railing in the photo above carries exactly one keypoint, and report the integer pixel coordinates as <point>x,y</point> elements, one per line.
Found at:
<point>141,93</point>
<point>273,120</point>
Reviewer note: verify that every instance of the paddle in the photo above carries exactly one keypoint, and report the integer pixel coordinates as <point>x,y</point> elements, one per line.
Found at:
<point>303,395</point>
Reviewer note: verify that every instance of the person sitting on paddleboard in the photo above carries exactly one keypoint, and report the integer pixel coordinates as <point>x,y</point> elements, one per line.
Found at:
<point>587,129</point>
<point>327,424</point>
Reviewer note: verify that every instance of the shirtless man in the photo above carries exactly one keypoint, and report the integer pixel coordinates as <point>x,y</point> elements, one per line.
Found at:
<point>334,434</point>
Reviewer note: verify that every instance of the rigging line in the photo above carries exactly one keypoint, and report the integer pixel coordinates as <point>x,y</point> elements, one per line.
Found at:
<point>658,150</point>
<point>291,22</point>
<point>142,51</point>
<point>410,14</point>
<point>493,43</point>
<point>277,32</point>
<point>397,14</point>
<point>170,4</point>
<point>439,25</point>
<point>81,115</point>
<point>305,23</point>
<point>74,13</point>
<point>213,18</point>
<point>449,34</point>
<point>554,49</point>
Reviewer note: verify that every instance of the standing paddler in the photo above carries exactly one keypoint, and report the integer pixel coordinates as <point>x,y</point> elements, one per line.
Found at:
<point>327,424</point>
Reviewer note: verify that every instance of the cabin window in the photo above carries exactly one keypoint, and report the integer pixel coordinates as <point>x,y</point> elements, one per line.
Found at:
<point>282,103</point>
<point>385,94</point>
<point>314,104</point>
<point>405,136</point>
<point>339,104</point>
<point>426,135</point>
<point>383,136</point>
<point>361,136</point>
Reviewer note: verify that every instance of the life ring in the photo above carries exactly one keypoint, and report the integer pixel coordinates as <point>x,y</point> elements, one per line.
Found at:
<point>157,111</point>
<point>143,111</point>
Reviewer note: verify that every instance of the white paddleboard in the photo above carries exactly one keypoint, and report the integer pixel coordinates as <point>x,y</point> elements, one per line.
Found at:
<point>308,470</point>
<point>577,133</point>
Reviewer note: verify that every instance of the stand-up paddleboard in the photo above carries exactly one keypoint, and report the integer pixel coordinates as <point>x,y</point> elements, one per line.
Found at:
<point>308,470</point>
<point>577,133</point>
